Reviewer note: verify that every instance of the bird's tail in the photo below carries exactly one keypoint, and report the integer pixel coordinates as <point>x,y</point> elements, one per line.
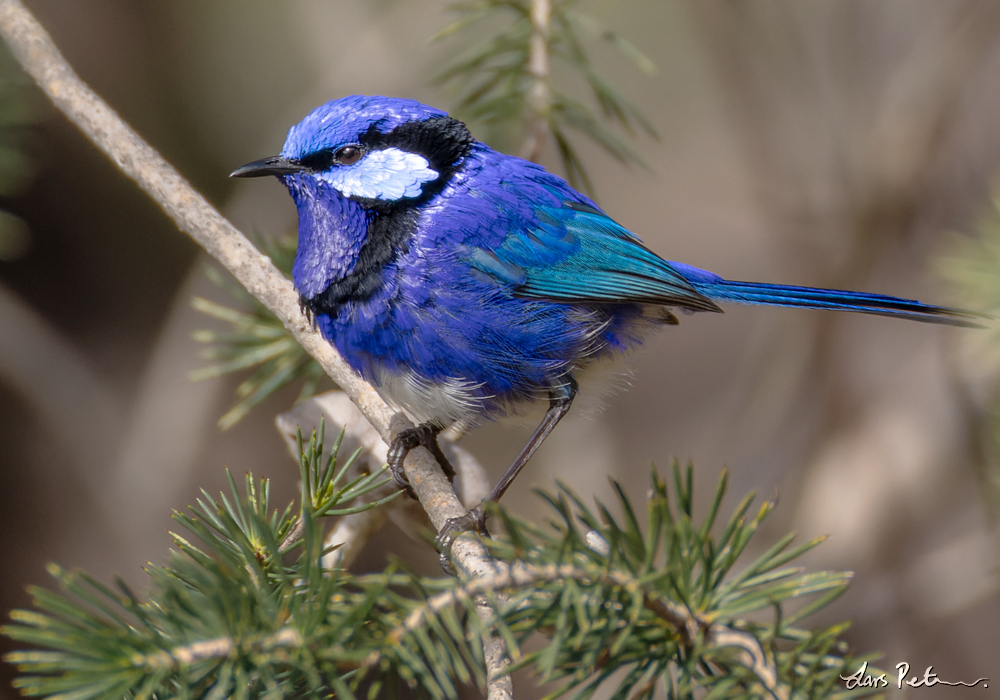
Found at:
<point>812,298</point>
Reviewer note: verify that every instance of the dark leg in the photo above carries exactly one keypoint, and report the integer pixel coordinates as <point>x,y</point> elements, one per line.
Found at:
<point>560,399</point>
<point>424,435</point>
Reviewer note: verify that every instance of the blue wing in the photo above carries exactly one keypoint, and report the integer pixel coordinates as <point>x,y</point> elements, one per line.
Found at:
<point>555,245</point>
<point>573,253</point>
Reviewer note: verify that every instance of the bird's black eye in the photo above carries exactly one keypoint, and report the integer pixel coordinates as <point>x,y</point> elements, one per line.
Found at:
<point>348,155</point>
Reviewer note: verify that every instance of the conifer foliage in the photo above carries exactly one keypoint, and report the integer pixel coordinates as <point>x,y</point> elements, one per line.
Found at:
<point>244,609</point>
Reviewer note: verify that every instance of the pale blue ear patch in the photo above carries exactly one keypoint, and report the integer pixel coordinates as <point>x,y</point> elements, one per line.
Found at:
<point>388,174</point>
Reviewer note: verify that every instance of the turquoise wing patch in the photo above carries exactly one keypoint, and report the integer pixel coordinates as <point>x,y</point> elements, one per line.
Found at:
<point>576,254</point>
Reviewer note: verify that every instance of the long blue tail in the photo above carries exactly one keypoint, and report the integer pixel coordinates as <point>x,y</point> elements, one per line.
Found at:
<point>719,289</point>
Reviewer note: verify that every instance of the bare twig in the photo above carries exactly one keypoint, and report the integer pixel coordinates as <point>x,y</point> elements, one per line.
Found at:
<point>38,55</point>
<point>540,93</point>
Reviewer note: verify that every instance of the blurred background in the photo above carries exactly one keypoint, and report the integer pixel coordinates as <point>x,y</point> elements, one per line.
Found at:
<point>845,144</point>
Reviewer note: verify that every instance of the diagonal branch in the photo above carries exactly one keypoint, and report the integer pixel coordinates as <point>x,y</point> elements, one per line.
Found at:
<point>38,55</point>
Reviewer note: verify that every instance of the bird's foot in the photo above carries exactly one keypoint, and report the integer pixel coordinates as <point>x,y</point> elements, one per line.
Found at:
<point>423,435</point>
<point>473,521</point>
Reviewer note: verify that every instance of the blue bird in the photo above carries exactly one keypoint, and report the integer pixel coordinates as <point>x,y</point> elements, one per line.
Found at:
<point>465,283</point>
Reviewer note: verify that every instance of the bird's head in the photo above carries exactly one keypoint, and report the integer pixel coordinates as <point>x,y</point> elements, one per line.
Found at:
<point>378,151</point>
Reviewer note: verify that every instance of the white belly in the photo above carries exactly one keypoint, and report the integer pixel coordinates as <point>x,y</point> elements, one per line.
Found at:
<point>457,400</point>
<point>445,403</point>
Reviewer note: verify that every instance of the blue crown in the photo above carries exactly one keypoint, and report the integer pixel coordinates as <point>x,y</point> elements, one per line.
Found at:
<point>345,120</point>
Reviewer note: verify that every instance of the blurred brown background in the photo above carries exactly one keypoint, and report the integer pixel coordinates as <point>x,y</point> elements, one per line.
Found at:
<point>806,142</point>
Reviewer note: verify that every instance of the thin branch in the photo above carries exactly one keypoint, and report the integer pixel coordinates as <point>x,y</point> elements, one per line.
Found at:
<point>685,623</point>
<point>218,648</point>
<point>540,93</point>
<point>38,55</point>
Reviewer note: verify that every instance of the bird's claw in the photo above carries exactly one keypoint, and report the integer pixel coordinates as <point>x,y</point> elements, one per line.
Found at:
<point>473,521</point>
<point>399,475</point>
<point>423,434</point>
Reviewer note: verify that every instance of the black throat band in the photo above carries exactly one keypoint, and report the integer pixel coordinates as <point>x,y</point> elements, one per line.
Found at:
<point>444,142</point>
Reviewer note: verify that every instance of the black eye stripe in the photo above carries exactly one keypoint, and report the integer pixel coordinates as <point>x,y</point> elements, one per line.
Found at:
<point>320,160</point>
